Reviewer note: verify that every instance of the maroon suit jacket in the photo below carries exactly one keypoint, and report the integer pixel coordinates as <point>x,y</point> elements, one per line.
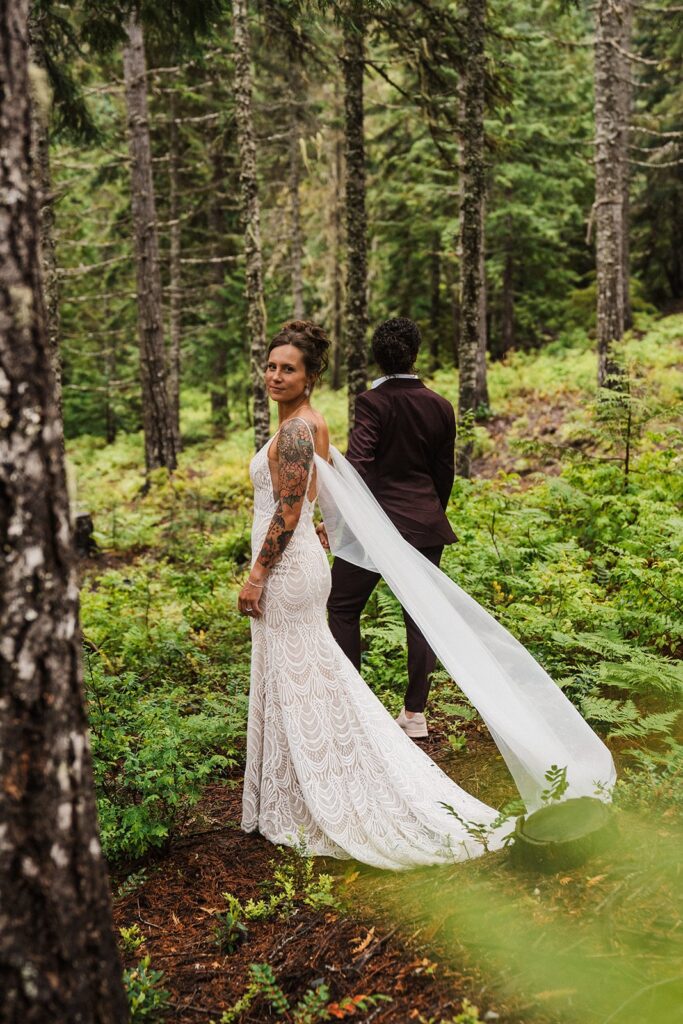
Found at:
<point>402,444</point>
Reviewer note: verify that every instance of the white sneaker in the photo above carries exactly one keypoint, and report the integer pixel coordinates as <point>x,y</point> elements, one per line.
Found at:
<point>415,727</point>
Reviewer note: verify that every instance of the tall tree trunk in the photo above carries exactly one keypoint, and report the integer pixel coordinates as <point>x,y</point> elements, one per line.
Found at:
<point>295,236</point>
<point>434,301</point>
<point>156,410</point>
<point>58,958</point>
<point>453,289</point>
<point>335,253</point>
<point>625,113</point>
<point>356,221</point>
<point>508,317</point>
<point>40,129</point>
<point>609,184</point>
<point>482,383</point>
<point>252,220</point>
<point>174,277</point>
<point>110,424</point>
<point>220,415</point>
<point>471,223</point>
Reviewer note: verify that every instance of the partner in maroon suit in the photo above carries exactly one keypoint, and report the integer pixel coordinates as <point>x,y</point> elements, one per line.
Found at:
<point>402,444</point>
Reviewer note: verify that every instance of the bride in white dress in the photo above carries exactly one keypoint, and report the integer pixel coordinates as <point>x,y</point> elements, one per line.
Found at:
<point>326,763</point>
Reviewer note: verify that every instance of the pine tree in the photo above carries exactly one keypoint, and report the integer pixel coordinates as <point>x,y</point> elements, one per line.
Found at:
<point>58,957</point>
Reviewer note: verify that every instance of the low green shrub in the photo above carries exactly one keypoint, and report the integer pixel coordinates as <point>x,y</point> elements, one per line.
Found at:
<point>148,1001</point>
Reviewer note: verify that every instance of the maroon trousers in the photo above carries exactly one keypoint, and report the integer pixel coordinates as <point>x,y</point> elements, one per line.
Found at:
<point>351,588</point>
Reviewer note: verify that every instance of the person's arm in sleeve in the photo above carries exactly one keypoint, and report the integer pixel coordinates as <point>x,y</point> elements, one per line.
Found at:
<point>364,439</point>
<point>443,465</point>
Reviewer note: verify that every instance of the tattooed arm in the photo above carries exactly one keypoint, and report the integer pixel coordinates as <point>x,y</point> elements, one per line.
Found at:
<point>295,453</point>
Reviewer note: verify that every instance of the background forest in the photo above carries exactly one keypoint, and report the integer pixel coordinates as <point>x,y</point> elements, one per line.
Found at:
<point>510,176</point>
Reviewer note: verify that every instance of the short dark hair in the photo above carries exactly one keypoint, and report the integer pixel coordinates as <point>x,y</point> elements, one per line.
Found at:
<point>311,341</point>
<point>395,345</point>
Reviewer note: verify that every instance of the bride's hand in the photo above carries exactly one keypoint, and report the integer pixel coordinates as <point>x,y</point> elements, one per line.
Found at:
<point>248,600</point>
<point>322,536</point>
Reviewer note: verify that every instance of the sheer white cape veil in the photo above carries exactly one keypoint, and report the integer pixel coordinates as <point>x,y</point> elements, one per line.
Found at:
<point>528,716</point>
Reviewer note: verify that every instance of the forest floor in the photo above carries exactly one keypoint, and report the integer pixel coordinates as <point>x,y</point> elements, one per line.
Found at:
<point>482,941</point>
<point>358,950</point>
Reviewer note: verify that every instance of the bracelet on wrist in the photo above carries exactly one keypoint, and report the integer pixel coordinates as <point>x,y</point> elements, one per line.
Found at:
<point>253,583</point>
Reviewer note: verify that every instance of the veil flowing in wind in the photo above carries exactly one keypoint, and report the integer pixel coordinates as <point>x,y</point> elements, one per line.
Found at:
<point>528,716</point>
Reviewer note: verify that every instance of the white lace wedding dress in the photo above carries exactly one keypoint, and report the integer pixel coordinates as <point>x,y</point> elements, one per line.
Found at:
<point>325,761</point>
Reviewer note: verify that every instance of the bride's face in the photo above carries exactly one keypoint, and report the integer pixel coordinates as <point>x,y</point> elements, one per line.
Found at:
<point>286,376</point>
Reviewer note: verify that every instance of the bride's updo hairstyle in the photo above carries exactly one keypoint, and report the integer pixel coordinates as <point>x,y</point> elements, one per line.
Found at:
<point>395,344</point>
<point>311,341</point>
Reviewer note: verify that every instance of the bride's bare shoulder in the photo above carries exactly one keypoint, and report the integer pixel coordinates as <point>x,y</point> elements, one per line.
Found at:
<point>322,434</point>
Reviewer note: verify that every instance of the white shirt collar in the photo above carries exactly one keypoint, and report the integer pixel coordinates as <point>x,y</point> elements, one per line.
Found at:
<point>393,376</point>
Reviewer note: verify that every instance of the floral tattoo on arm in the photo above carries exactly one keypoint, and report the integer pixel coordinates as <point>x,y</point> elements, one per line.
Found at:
<point>295,453</point>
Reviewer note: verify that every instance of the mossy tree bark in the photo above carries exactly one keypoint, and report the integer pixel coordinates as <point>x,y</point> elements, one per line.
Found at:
<point>252,220</point>
<point>160,447</point>
<point>58,957</point>
<point>355,213</point>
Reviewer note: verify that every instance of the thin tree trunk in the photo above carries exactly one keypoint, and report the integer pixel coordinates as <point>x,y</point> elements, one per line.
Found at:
<point>156,410</point>
<point>453,290</point>
<point>220,415</point>
<point>609,179</point>
<point>58,957</point>
<point>110,424</point>
<point>434,302</point>
<point>482,383</point>
<point>625,113</point>
<point>295,234</point>
<point>174,278</point>
<point>252,220</point>
<point>356,221</point>
<point>336,255</point>
<point>508,318</point>
<point>40,128</point>
<point>471,223</point>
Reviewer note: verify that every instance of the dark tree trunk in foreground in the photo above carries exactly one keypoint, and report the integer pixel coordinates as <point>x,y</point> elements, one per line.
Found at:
<point>220,414</point>
<point>174,278</point>
<point>252,220</point>
<point>156,409</point>
<point>356,221</point>
<point>471,225</point>
<point>296,247</point>
<point>610,159</point>
<point>58,958</point>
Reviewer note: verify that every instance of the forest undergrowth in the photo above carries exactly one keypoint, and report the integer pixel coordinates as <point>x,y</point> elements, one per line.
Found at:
<point>571,535</point>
